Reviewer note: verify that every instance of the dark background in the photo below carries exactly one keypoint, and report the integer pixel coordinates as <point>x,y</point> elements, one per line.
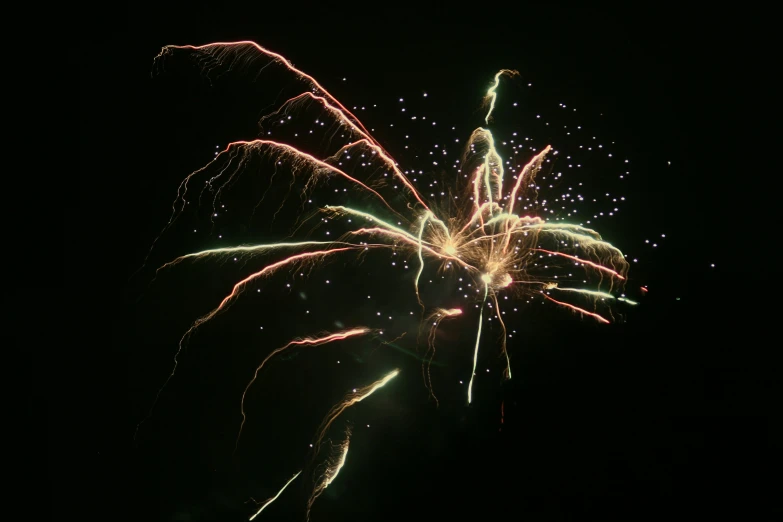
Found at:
<point>667,413</point>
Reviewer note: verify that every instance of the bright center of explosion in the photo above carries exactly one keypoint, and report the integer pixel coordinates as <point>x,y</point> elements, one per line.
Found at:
<point>450,250</point>
<point>497,281</point>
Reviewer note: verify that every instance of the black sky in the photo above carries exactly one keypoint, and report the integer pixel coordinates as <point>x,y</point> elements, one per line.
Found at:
<point>669,413</point>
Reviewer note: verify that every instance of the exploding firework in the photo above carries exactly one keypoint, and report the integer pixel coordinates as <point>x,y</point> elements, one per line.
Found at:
<point>484,228</point>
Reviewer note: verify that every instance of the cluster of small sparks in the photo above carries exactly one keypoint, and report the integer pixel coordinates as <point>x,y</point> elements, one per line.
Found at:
<point>487,235</point>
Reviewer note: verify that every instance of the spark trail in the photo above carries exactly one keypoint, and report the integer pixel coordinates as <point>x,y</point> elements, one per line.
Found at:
<point>308,341</point>
<point>269,501</point>
<point>355,396</point>
<point>333,465</point>
<point>436,317</point>
<point>238,289</point>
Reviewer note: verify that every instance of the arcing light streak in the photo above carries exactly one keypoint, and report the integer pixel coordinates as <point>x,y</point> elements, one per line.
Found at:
<point>301,159</point>
<point>369,142</point>
<point>492,92</point>
<point>269,501</point>
<point>597,266</point>
<point>357,395</point>
<point>266,271</point>
<point>249,249</point>
<point>435,318</point>
<point>334,464</point>
<point>578,309</point>
<point>238,289</point>
<point>237,51</point>
<point>310,341</point>
<point>528,173</point>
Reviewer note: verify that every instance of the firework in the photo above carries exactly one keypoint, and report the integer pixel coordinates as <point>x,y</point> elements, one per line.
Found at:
<point>483,228</point>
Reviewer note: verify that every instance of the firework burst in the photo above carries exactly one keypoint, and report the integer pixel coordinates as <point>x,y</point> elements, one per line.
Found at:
<point>482,227</point>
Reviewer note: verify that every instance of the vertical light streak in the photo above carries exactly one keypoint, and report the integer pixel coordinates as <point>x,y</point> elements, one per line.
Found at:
<point>505,335</point>
<point>236,291</point>
<point>478,339</point>
<point>421,258</point>
<point>436,317</point>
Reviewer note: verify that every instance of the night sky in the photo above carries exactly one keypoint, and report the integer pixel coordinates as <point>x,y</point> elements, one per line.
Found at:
<point>665,411</point>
